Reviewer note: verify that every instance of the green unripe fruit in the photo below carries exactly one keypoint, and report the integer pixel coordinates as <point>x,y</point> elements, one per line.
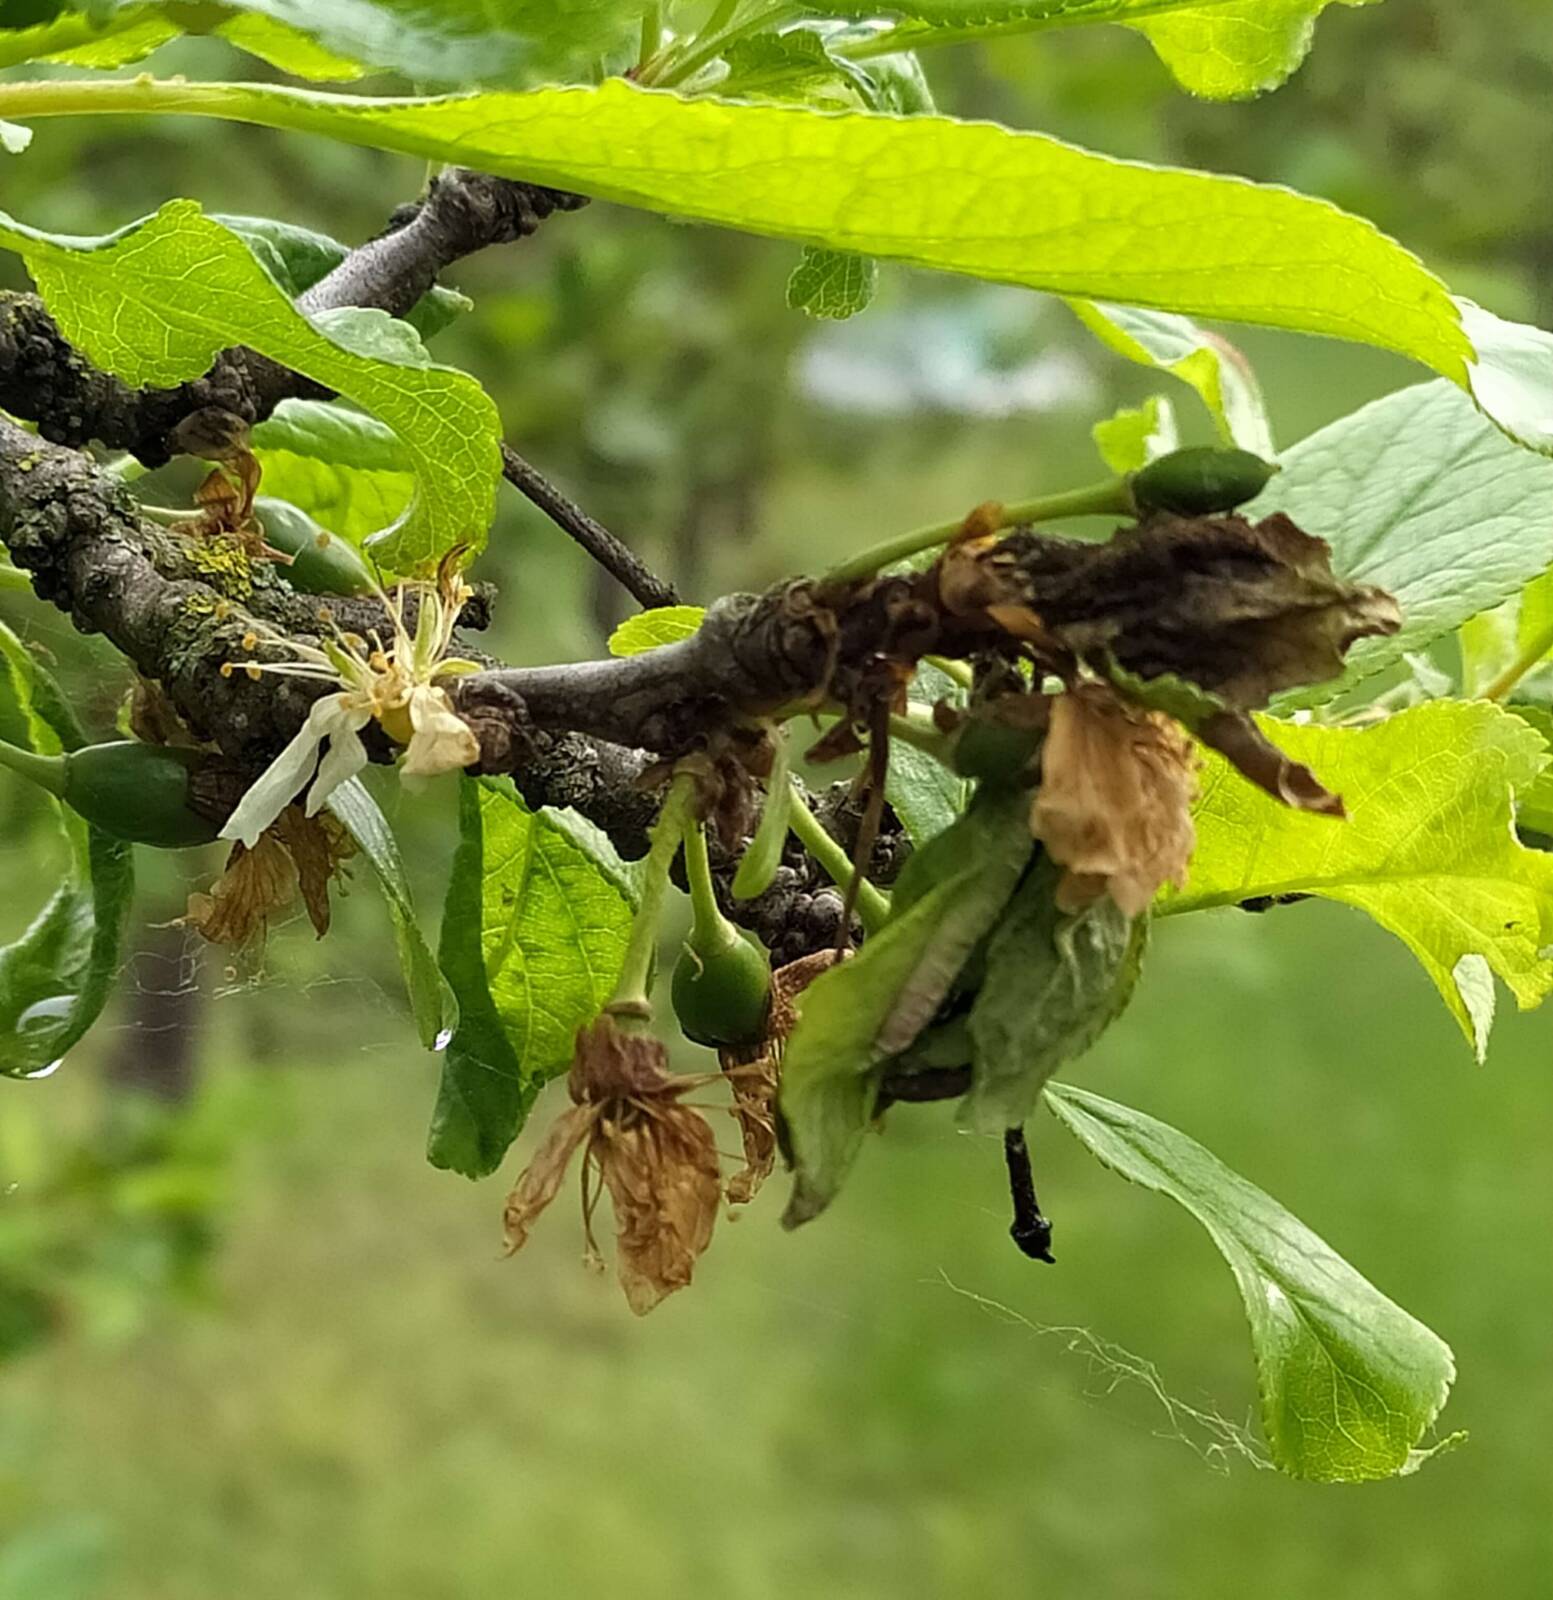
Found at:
<point>1200,481</point>
<point>989,749</point>
<point>134,791</point>
<point>721,995</point>
<point>321,562</point>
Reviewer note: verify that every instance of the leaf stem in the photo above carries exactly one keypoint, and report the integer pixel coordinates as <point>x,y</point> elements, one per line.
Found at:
<point>652,35</point>
<point>630,998</point>
<point>960,671</point>
<point>873,906</point>
<point>1111,498</point>
<point>709,45</point>
<point>1523,663</point>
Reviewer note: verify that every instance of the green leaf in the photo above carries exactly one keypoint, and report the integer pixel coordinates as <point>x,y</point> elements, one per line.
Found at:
<point>123,301</point>
<point>1054,983</point>
<point>56,978</point>
<point>345,469</point>
<point>297,258</point>
<point>1220,49</point>
<point>1349,1381</point>
<point>832,284</point>
<point>649,629</point>
<point>533,939</point>
<point>1419,494</point>
<point>855,1016</point>
<point>431,1000</point>
<point>130,32</point>
<point>1133,437</point>
<point>1226,52</point>
<point>1428,849</point>
<point>924,793</point>
<point>1033,210</point>
<point>1534,802</point>
<point>763,855</point>
<point>461,41</point>
<point>1207,362</point>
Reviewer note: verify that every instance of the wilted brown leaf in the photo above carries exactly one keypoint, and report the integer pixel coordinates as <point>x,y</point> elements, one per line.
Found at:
<point>319,846</point>
<point>1237,738</point>
<point>1242,610</point>
<point>256,885</point>
<point>1114,805</point>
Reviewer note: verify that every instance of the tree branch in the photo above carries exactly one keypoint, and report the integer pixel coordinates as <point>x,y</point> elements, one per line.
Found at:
<point>622,564</point>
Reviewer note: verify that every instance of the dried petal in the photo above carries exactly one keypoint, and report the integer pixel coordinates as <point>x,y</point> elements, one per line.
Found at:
<point>256,885</point>
<point>441,740</point>
<point>755,1073</point>
<point>660,1166</point>
<point>1114,806</point>
<point>541,1179</point>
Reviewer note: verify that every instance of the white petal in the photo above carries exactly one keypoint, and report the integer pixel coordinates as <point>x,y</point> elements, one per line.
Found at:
<point>442,741</point>
<point>346,756</point>
<point>273,789</point>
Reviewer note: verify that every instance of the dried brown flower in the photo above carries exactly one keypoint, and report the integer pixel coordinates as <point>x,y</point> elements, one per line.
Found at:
<point>755,1072</point>
<point>656,1157</point>
<point>1114,805</point>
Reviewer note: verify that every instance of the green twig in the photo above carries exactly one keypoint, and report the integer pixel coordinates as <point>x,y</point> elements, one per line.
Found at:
<point>1112,498</point>
<point>1530,657</point>
<point>873,906</point>
<point>630,998</point>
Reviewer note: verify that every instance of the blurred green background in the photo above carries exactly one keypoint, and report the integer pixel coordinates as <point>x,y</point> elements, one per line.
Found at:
<point>250,1345</point>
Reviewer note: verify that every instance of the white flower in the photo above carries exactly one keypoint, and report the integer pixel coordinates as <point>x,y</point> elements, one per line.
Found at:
<point>339,718</point>
<point>441,741</point>
<point>396,686</point>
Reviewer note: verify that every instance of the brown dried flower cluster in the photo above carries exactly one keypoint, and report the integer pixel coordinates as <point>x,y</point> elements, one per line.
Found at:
<point>656,1155</point>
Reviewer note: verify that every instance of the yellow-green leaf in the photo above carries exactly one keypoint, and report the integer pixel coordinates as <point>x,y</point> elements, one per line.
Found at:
<point>649,629</point>
<point>1428,849</point>
<point>124,301</point>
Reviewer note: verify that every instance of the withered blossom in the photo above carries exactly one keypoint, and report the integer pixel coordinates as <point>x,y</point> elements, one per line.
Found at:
<point>1114,803</point>
<point>656,1156</point>
<point>755,1073</point>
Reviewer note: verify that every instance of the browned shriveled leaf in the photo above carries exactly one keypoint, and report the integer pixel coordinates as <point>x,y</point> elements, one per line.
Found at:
<point>1238,739</point>
<point>256,885</point>
<point>1114,805</point>
<point>656,1157</point>
<point>319,846</point>
<point>755,1072</point>
<point>1242,610</point>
